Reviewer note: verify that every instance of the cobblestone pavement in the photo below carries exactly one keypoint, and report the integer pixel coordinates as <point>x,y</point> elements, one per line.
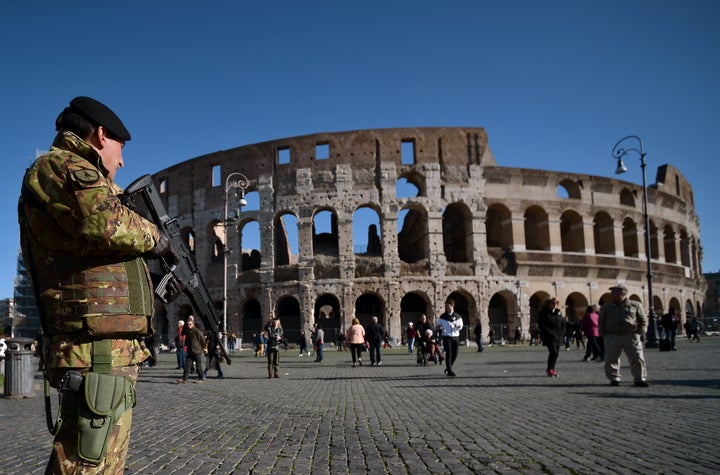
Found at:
<point>501,414</point>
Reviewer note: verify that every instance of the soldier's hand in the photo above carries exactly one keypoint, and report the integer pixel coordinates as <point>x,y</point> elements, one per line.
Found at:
<point>163,248</point>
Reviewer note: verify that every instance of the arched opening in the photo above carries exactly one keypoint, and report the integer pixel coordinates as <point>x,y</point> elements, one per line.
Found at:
<point>627,198</point>
<point>287,309</point>
<point>325,233</point>
<point>572,235</point>
<point>412,306</point>
<point>630,238</point>
<point>251,319</point>
<point>329,315</point>
<point>367,237</point>
<point>457,233</point>
<point>413,243</point>
<point>367,306</point>
<point>537,230</point>
<point>498,226</point>
<point>285,229</point>
<point>604,234</point>
<point>669,245</point>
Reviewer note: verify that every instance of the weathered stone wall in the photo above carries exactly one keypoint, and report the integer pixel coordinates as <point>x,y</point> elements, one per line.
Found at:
<point>465,234</point>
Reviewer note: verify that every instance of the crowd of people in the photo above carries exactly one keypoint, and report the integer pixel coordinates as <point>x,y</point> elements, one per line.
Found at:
<point>602,332</point>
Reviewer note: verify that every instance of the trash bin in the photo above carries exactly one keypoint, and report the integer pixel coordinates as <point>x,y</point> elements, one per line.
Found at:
<point>19,368</point>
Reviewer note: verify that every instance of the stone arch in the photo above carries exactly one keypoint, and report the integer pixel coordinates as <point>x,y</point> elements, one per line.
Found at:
<point>658,305</point>
<point>287,309</point>
<point>498,226</point>
<point>537,229</point>
<point>536,302</point>
<point>630,238</point>
<point>367,305</point>
<point>188,237</point>
<point>466,306</point>
<point>328,313</point>
<point>251,319</point>
<point>457,233</point>
<point>669,245</point>
<point>410,185</point>
<point>250,244</point>
<point>575,306</point>
<point>568,188</point>
<point>366,230</point>
<point>325,232</point>
<point>684,248</point>
<point>654,247</point>
<point>412,306</point>
<point>604,233</point>
<point>217,234</point>
<point>498,311</point>
<point>285,233</point>
<point>689,310</point>
<point>571,232</point>
<point>413,242</point>
<point>627,197</point>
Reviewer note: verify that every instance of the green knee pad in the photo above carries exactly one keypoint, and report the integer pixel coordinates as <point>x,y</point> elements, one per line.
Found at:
<point>106,398</point>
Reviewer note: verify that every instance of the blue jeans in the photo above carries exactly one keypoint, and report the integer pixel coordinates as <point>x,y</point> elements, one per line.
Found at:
<point>375,356</point>
<point>180,354</point>
<point>478,340</point>
<point>411,345</point>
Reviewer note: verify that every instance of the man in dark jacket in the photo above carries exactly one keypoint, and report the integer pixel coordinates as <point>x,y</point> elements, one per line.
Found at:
<point>375,334</point>
<point>195,344</point>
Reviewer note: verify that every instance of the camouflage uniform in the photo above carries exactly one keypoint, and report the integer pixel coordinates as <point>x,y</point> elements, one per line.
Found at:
<point>83,248</point>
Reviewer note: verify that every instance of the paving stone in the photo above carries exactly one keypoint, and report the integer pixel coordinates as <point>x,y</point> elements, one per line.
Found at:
<point>501,414</point>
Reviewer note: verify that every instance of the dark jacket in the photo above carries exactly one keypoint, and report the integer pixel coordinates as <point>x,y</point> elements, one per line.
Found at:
<point>375,333</point>
<point>194,341</point>
<point>552,327</point>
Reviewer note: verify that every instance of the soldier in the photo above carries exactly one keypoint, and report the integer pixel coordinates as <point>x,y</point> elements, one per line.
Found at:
<point>84,249</point>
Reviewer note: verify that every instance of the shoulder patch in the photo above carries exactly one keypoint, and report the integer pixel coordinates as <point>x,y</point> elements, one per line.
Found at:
<point>86,177</point>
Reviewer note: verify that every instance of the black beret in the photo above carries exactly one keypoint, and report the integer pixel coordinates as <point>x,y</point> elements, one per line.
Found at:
<point>100,114</point>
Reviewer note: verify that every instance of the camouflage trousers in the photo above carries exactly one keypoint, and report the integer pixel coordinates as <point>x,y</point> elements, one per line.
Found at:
<point>64,459</point>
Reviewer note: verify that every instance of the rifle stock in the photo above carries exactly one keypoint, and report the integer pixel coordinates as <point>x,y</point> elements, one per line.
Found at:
<point>145,197</point>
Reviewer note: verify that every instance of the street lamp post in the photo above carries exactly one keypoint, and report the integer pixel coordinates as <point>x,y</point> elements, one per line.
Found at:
<point>239,182</point>
<point>618,152</point>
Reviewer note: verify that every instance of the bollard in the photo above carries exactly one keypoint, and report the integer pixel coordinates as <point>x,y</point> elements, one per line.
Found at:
<point>19,368</point>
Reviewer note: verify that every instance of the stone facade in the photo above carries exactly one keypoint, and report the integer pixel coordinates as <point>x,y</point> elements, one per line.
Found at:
<point>498,240</point>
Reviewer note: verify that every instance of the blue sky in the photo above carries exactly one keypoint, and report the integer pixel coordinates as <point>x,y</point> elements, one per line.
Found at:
<point>555,83</point>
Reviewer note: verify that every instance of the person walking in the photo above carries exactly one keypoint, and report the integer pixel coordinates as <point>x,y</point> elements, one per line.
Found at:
<point>589,326</point>
<point>375,335</point>
<point>196,349</point>
<point>411,336</point>
<point>451,323</point>
<point>274,332</point>
<point>319,342</point>
<point>180,345</point>
<point>695,328</point>
<point>477,331</point>
<point>669,322</point>
<point>302,343</point>
<point>552,333</point>
<point>622,324</point>
<point>85,251</point>
<point>213,356</point>
<point>356,340</point>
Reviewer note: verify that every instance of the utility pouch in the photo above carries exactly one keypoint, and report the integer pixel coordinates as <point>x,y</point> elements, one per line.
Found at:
<point>106,398</point>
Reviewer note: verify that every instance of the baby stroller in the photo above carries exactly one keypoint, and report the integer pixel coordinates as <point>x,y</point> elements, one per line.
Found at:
<point>429,349</point>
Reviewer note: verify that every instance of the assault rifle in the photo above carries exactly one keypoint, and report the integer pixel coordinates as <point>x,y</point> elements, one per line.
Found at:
<point>146,200</point>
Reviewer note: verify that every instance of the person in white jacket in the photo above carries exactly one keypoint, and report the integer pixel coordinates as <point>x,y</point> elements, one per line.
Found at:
<point>451,324</point>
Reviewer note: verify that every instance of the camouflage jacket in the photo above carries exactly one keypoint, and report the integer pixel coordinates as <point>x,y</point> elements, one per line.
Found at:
<point>83,249</point>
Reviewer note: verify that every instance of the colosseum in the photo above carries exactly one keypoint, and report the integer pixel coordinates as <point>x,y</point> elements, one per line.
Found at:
<point>392,222</point>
